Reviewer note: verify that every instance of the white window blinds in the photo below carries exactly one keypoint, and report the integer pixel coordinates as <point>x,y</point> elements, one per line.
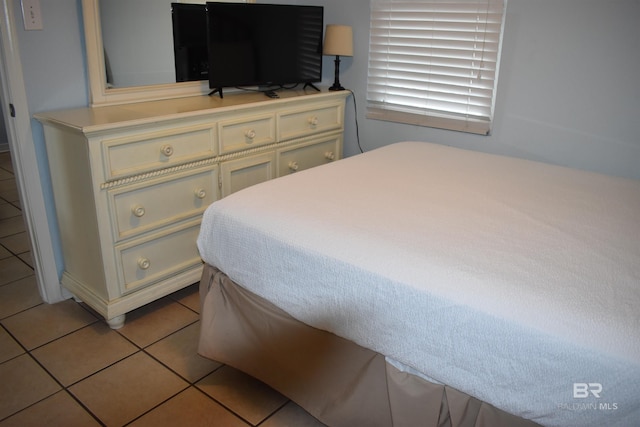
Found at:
<point>435,63</point>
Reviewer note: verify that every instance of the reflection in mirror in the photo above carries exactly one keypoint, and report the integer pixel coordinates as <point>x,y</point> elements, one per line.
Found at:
<point>138,42</point>
<point>190,46</point>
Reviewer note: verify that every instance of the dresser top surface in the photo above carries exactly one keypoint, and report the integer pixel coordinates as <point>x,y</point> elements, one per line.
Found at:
<point>88,119</point>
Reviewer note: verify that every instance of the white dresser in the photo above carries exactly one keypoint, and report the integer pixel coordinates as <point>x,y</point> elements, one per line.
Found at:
<point>131,181</point>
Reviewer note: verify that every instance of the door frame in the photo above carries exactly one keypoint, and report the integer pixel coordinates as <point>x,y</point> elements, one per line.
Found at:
<point>25,162</point>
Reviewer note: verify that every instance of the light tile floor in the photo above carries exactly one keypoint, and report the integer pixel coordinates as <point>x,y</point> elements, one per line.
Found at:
<point>61,365</point>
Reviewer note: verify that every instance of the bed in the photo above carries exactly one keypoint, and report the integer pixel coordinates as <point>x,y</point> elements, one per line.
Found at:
<point>419,284</point>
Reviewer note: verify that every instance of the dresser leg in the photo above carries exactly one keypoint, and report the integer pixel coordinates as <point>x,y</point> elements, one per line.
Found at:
<point>116,322</point>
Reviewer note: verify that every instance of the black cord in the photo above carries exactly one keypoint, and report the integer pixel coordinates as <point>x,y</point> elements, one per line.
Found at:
<point>289,87</point>
<point>355,110</point>
<point>272,87</point>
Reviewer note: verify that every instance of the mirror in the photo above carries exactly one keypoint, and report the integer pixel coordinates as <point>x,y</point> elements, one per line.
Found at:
<point>133,83</point>
<point>137,37</point>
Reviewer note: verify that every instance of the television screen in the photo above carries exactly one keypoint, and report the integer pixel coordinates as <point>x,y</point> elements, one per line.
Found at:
<point>190,41</point>
<point>264,44</point>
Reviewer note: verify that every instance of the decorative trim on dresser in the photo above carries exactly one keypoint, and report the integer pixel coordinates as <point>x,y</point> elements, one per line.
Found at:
<point>131,182</point>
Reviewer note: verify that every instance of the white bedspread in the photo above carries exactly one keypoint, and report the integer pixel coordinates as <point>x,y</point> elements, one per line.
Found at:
<point>514,281</point>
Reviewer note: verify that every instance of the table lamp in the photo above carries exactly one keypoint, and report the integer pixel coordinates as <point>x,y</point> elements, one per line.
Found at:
<point>338,41</point>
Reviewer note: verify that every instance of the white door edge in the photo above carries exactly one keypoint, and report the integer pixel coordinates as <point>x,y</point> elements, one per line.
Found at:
<point>12,92</point>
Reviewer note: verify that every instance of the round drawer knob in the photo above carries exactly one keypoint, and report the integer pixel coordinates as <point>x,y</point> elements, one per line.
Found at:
<point>138,211</point>
<point>313,121</point>
<point>293,166</point>
<point>167,150</point>
<point>250,134</point>
<point>144,263</point>
<point>329,155</point>
<point>200,193</point>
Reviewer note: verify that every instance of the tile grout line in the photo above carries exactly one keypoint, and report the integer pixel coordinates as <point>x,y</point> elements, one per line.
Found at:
<point>28,353</point>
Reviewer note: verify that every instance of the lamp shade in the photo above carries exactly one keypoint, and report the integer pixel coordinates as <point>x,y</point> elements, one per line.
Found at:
<point>338,40</point>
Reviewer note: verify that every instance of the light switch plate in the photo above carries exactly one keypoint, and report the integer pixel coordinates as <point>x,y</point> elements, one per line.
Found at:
<point>31,15</point>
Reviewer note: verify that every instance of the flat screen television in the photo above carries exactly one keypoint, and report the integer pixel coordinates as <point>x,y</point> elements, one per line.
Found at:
<point>264,45</point>
<point>191,56</point>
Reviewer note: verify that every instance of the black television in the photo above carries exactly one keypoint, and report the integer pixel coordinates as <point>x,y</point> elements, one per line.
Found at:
<point>263,45</point>
<point>191,57</point>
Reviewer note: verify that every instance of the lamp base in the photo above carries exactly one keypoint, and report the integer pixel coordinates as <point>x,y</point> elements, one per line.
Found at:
<point>336,80</point>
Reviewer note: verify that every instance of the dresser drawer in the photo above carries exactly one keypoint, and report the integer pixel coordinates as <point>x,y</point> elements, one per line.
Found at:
<point>151,204</point>
<point>246,171</point>
<point>246,132</point>
<point>299,123</point>
<point>140,153</point>
<point>162,255</point>
<point>304,156</point>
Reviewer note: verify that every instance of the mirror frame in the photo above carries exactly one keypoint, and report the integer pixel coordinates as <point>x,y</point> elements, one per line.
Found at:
<point>100,94</point>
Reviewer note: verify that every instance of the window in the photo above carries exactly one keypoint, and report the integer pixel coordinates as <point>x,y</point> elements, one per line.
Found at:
<point>435,63</point>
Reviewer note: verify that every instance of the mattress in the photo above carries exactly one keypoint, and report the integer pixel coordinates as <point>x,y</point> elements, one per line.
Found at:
<point>513,281</point>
